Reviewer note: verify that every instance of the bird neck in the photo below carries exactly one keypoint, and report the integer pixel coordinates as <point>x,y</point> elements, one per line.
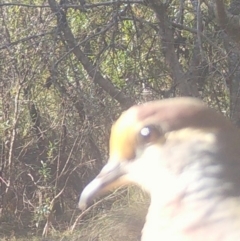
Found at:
<point>185,212</point>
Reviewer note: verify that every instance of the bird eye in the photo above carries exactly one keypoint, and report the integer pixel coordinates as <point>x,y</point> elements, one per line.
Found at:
<point>149,134</point>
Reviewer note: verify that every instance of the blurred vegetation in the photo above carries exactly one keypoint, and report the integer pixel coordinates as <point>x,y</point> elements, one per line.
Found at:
<point>68,69</point>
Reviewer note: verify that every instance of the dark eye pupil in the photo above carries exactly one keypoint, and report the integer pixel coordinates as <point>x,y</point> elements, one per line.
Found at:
<point>149,134</point>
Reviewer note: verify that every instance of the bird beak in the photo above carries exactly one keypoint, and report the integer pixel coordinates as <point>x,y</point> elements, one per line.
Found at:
<point>111,176</point>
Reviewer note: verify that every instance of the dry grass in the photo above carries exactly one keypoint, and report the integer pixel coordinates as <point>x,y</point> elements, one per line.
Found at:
<point>122,221</point>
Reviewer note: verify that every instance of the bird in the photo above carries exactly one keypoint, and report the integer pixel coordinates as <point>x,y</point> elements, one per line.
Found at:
<point>186,156</point>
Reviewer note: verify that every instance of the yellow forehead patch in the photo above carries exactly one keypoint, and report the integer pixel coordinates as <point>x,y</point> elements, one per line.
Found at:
<point>123,136</point>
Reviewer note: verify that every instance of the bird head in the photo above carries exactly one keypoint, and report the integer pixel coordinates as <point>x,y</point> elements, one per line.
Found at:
<point>164,146</point>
